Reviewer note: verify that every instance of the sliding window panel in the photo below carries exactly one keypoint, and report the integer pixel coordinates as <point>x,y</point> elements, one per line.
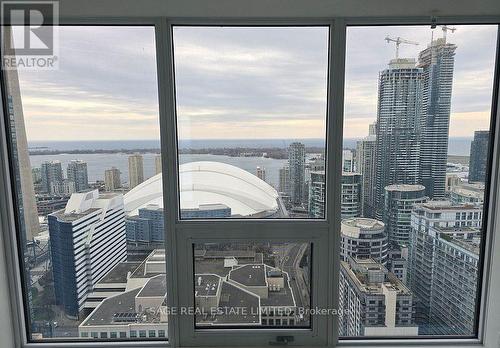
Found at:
<point>251,106</point>
<point>84,141</point>
<point>418,124</point>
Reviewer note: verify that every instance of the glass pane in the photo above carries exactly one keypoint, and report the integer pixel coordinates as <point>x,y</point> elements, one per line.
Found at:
<point>84,138</point>
<point>417,123</point>
<point>251,115</point>
<point>249,285</point>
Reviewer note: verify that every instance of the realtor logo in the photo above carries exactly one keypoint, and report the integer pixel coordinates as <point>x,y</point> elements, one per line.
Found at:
<point>30,34</point>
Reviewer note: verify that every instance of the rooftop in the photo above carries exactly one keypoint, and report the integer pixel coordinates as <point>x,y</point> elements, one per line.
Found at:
<point>405,188</point>
<point>203,184</point>
<point>155,287</point>
<point>249,275</point>
<point>206,284</point>
<point>118,274</point>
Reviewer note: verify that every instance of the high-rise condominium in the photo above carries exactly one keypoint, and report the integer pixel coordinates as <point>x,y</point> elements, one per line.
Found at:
<point>478,156</point>
<point>52,176</point>
<point>348,164</point>
<point>317,194</point>
<point>399,202</point>
<point>373,301</point>
<point>77,173</point>
<point>363,238</point>
<point>443,266</point>
<point>30,225</point>
<point>284,174</point>
<point>112,180</point>
<point>437,63</point>
<point>87,239</point>
<point>398,127</point>
<point>366,163</point>
<point>261,173</point>
<point>350,203</point>
<point>158,164</point>
<point>297,167</point>
<point>135,170</point>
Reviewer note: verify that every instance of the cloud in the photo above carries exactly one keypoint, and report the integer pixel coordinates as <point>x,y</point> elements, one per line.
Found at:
<point>236,82</point>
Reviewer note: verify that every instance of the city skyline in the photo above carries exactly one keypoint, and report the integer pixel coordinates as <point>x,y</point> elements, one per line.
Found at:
<point>264,60</point>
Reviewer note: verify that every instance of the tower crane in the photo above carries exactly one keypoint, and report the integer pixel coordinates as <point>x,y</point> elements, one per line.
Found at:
<point>445,28</point>
<point>399,40</point>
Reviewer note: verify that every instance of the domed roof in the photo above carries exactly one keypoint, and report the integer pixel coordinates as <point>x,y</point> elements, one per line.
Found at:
<point>210,183</point>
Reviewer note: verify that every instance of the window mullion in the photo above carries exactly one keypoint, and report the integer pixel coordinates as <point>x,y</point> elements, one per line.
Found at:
<point>169,165</point>
<point>335,118</point>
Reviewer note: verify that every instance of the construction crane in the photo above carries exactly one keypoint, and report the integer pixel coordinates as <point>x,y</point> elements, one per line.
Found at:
<point>445,28</point>
<point>399,40</point>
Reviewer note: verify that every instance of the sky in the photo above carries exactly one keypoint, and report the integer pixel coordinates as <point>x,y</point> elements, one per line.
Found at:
<point>236,83</point>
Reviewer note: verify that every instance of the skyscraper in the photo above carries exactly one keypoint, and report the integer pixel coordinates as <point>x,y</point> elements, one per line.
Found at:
<point>363,238</point>
<point>348,164</point>
<point>317,195</point>
<point>398,127</point>
<point>478,156</point>
<point>158,164</point>
<point>87,239</point>
<point>112,179</point>
<point>367,162</point>
<point>437,63</point>
<point>77,172</point>
<point>52,176</point>
<point>297,167</point>
<point>350,203</point>
<point>443,266</point>
<point>399,202</point>
<point>30,226</point>
<point>135,170</point>
<point>373,301</point>
<point>261,173</point>
<point>284,174</point>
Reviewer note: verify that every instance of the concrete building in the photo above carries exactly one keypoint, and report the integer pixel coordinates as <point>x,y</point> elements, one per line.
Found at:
<point>26,200</point>
<point>398,127</point>
<point>261,173</point>
<point>77,172</point>
<point>348,163</point>
<point>373,301</point>
<point>468,194</point>
<point>398,204</point>
<point>397,261</point>
<point>297,167</point>
<point>135,170</point>
<point>284,176</point>
<point>52,175</point>
<point>363,238</point>
<point>112,180</point>
<point>158,168</point>
<point>366,165</point>
<point>351,195</point>
<point>136,313</point>
<point>430,222</point>
<point>478,156</point>
<point>437,64</point>
<point>87,239</point>
<point>317,194</point>
<point>452,180</point>
<point>64,188</point>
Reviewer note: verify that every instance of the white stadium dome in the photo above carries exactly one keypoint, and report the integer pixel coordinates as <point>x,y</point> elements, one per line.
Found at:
<point>211,183</point>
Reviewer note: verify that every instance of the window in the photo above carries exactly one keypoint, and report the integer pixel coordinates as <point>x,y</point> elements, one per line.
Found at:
<point>85,144</point>
<point>410,122</point>
<point>251,118</point>
<point>214,150</point>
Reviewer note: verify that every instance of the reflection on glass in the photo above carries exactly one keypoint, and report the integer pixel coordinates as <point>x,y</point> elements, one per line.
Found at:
<point>252,285</point>
<point>251,115</point>
<point>410,255</point>
<point>85,141</point>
